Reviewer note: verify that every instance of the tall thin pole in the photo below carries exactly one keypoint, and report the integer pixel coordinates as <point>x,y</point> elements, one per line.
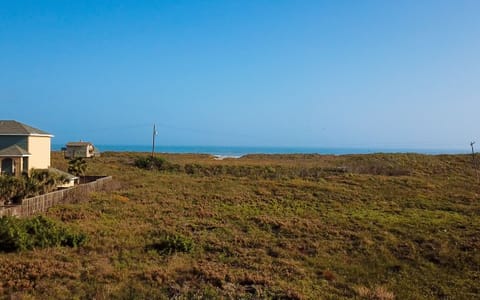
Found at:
<point>474,162</point>
<point>473,152</point>
<point>153,140</point>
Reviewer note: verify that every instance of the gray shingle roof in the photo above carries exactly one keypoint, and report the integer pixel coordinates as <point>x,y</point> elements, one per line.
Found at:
<point>13,151</point>
<point>11,127</point>
<point>73,144</point>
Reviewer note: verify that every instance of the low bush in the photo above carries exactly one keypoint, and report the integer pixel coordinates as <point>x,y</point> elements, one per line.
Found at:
<point>172,243</point>
<point>11,189</point>
<point>156,163</point>
<point>38,232</point>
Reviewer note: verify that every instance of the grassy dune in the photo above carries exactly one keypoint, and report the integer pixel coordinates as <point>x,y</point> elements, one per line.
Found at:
<point>384,226</point>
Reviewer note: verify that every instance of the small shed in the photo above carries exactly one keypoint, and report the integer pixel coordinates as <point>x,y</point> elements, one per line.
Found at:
<point>81,149</point>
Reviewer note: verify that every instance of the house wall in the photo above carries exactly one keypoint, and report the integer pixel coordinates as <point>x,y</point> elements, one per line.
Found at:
<point>79,151</point>
<point>76,151</point>
<point>39,147</point>
<point>10,140</point>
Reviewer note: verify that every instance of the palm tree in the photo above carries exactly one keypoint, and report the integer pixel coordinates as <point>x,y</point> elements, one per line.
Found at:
<point>77,166</point>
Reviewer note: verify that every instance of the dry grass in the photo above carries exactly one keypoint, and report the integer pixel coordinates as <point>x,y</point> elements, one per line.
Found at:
<point>377,293</point>
<point>386,226</point>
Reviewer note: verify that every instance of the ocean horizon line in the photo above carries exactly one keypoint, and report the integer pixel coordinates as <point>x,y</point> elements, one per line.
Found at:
<point>238,151</point>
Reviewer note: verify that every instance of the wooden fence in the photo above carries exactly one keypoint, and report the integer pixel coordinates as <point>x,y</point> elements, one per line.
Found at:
<point>34,205</point>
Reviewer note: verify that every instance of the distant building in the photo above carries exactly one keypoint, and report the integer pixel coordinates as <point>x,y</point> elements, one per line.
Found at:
<point>80,149</point>
<point>23,147</point>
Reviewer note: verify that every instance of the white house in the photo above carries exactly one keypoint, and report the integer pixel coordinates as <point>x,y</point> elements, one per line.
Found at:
<point>80,149</point>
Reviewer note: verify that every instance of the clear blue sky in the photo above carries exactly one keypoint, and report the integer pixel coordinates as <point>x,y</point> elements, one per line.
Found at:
<point>252,73</point>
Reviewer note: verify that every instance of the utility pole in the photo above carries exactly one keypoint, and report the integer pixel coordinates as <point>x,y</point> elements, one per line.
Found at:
<point>473,151</point>
<point>474,163</point>
<point>153,140</point>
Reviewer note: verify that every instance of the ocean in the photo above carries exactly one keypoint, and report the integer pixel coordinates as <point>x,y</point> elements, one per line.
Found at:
<point>225,151</point>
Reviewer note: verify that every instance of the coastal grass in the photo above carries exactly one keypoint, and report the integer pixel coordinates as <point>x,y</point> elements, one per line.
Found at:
<point>378,226</point>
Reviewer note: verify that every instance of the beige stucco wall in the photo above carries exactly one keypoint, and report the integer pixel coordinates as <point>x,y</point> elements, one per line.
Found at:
<point>39,147</point>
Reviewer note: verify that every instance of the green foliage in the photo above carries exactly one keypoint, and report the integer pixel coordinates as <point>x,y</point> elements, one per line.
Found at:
<point>255,172</point>
<point>171,243</point>
<point>38,232</point>
<point>42,181</point>
<point>77,166</point>
<point>13,235</point>
<point>13,189</point>
<point>156,163</point>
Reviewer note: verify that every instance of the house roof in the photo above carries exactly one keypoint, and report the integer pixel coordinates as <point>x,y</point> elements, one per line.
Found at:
<point>13,151</point>
<point>11,127</point>
<point>62,173</point>
<point>73,144</point>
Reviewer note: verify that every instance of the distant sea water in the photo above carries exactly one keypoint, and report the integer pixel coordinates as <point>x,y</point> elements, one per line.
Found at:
<point>224,151</point>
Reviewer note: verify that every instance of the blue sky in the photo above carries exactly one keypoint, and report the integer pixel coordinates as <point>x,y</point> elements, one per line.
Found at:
<point>245,73</point>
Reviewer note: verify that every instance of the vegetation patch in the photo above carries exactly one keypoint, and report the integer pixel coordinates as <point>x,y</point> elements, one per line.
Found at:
<point>38,232</point>
<point>247,171</point>
<point>77,166</point>
<point>380,226</point>
<point>155,163</point>
<point>13,189</point>
<point>172,243</point>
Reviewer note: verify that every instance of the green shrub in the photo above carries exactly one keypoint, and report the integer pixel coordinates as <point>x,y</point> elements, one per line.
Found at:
<point>13,235</point>
<point>193,169</point>
<point>14,189</point>
<point>170,244</point>
<point>156,163</point>
<point>38,232</point>
<point>77,166</point>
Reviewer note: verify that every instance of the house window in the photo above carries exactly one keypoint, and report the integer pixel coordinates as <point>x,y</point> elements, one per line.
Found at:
<point>25,164</point>
<point>7,166</point>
